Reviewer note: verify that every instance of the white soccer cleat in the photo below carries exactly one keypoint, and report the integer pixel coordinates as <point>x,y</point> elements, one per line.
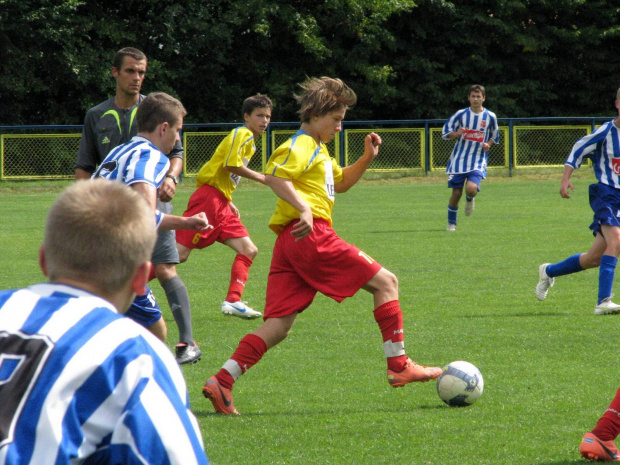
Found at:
<point>606,307</point>
<point>451,227</point>
<point>470,206</point>
<point>544,282</point>
<point>239,309</point>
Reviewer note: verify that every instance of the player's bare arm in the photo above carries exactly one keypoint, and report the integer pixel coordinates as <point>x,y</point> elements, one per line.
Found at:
<point>197,222</point>
<point>352,174</point>
<point>168,188</point>
<point>284,189</point>
<point>246,172</point>
<point>566,184</point>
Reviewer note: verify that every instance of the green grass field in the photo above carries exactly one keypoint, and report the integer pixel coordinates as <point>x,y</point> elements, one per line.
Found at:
<point>321,397</point>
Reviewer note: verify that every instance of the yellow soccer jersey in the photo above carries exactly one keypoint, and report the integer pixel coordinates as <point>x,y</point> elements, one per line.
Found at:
<point>235,150</point>
<point>313,173</point>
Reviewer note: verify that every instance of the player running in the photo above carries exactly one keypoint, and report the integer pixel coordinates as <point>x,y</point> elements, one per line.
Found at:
<point>603,148</point>
<point>308,256</point>
<point>476,130</point>
<point>216,182</point>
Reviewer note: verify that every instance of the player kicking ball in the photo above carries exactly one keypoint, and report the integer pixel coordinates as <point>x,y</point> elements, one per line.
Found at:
<point>308,255</point>
<point>216,182</point>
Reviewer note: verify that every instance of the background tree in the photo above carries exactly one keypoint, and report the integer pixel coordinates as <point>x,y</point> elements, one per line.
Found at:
<point>405,60</point>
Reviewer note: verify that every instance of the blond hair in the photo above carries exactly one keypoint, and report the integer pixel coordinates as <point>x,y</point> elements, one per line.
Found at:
<point>98,232</point>
<point>321,96</point>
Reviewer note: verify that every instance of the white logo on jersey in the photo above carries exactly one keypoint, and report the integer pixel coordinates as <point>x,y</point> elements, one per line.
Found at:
<point>329,180</point>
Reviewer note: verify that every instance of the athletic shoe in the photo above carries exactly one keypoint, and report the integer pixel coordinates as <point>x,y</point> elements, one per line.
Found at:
<point>239,309</point>
<point>187,354</point>
<point>592,448</point>
<point>412,373</point>
<point>470,206</point>
<point>220,397</point>
<point>544,282</point>
<point>451,227</point>
<point>606,307</point>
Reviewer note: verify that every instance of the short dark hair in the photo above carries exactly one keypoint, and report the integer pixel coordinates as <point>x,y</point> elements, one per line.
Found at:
<point>158,108</point>
<point>255,101</point>
<point>477,88</point>
<point>134,53</point>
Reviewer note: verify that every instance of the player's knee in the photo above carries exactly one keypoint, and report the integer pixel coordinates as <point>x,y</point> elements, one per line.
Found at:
<point>252,252</point>
<point>589,261</point>
<point>389,282</point>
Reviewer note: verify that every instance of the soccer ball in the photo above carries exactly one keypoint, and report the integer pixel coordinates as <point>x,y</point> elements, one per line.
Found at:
<point>460,384</point>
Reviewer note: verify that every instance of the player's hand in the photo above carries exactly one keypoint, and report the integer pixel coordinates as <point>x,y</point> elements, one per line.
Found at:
<point>234,209</point>
<point>304,226</point>
<point>198,222</point>
<point>167,190</point>
<point>371,145</point>
<point>485,147</point>
<point>564,189</point>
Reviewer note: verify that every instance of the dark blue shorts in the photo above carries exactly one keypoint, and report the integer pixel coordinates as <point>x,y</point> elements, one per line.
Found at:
<point>605,203</point>
<point>144,309</point>
<point>457,181</point>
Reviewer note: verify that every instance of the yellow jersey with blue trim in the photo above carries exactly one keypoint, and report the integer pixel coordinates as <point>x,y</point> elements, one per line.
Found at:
<point>313,174</point>
<point>237,149</point>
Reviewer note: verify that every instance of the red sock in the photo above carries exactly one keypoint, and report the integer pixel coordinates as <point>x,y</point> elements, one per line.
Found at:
<point>249,351</point>
<point>152,274</point>
<point>238,277</point>
<point>390,319</point>
<point>608,426</point>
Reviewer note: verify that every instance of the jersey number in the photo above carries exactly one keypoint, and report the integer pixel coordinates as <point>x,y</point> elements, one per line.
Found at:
<point>21,360</point>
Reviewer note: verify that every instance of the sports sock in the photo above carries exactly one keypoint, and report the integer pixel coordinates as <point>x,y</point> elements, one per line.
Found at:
<point>390,319</point>
<point>178,299</point>
<point>238,277</point>
<point>249,351</point>
<point>468,198</point>
<point>606,272</point>
<point>608,426</point>
<point>452,211</point>
<point>568,266</point>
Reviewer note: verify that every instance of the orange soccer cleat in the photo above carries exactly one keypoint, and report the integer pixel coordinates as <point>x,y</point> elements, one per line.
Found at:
<point>412,373</point>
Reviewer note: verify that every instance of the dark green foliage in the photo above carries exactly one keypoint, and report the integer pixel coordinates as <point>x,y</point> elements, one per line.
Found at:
<point>404,59</point>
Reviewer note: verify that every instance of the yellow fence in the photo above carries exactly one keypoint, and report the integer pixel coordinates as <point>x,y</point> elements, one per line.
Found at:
<point>418,149</point>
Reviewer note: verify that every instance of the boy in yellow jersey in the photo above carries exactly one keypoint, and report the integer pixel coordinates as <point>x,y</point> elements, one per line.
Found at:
<point>308,256</point>
<point>216,182</point>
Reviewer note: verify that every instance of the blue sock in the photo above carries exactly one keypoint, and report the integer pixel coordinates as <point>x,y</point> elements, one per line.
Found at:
<point>568,266</point>
<point>606,272</point>
<point>452,211</point>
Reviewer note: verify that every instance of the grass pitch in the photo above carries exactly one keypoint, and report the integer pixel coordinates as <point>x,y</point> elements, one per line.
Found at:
<point>321,396</point>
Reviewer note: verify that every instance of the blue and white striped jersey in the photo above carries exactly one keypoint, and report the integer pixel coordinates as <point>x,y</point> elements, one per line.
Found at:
<point>78,380</point>
<point>603,148</point>
<point>467,154</point>
<point>136,161</point>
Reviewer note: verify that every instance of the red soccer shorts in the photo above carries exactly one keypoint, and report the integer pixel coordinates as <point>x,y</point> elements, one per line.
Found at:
<point>225,223</point>
<point>320,262</point>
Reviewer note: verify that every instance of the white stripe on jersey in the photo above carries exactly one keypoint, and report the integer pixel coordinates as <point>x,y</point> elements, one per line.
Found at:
<point>162,394</point>
<point>603,148</point>
<point>467,154</point>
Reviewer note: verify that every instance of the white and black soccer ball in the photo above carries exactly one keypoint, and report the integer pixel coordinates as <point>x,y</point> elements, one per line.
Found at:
<point>460,384</point>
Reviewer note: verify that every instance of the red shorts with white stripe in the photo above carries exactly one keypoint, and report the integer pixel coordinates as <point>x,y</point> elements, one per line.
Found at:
<point>320,262</point>
<point>225,223</point>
